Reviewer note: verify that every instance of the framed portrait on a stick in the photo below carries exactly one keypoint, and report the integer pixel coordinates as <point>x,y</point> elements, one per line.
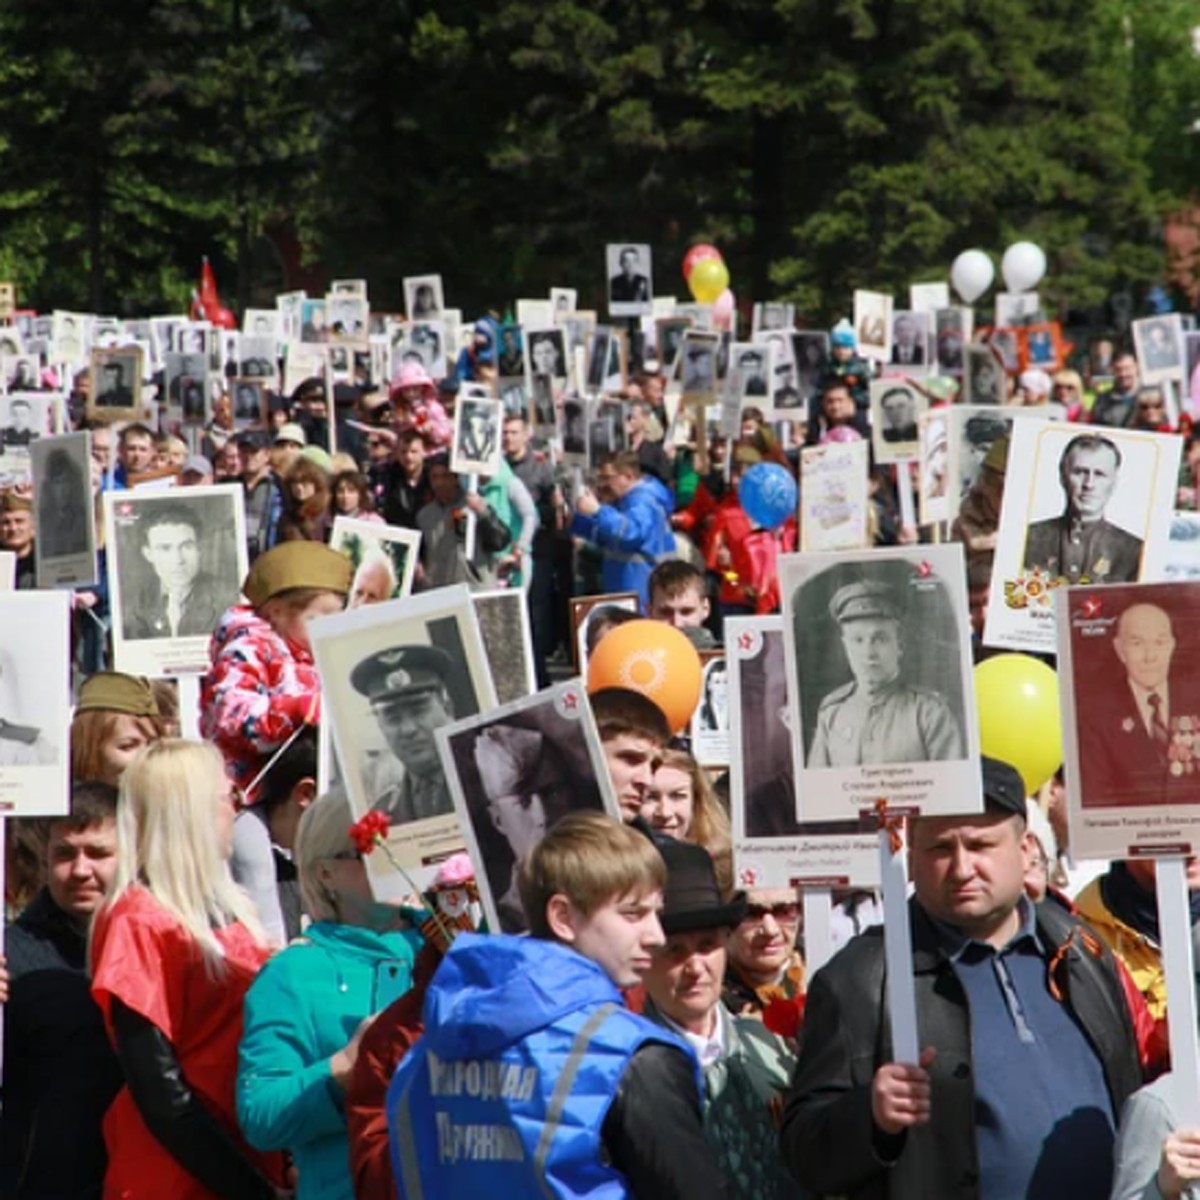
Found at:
<point>116,384</point>
<point>392,674</point>
<point>771,849</point>
<point>35,700</point>
<point>592,617</point>
<point>1129,685</point>
<point>896,407</point>
<point>64,515</point>
<point>879,669</point>
<point>476,437</point>
<point>503,618</point>
<point>933,487</point>
<point>709,729</point>
<point>872,324</point>
<point>384,559</point>
<point>698,367</point>
<point>513,772</point>
<point>1081,505</point>
<point>176,561</point>
<point>424,298</point>
<point>630,279</point>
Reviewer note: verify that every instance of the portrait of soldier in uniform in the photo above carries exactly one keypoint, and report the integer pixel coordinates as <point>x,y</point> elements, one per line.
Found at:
<point>878,717</point>
<point>1080,545</point>
<point>408,690</point>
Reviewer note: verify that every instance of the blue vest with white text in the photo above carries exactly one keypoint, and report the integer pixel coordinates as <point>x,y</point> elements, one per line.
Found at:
<point>522,1118</point>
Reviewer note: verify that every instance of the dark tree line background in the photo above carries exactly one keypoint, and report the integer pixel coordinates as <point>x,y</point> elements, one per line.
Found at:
<point>823,144</point>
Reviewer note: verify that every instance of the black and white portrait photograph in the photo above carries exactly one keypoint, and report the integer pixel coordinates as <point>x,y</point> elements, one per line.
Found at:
<point>513,773</point>
<point>562,302</point>
<point>750,373</point>
<point>503,618</point>
<point>1081,506</point>
<point>116,384</point>
<point>71,334</point>
<point>347,317</point>
<point>873,325</point>
<point>630,286</point>
<point>349,287</point>
<point>384,558</point>
<point>262,323</point>
<point>591,618</point>
<point>785,397</point>
<point>257,357</point>
<point>20,373</point>
<point>1005,343</point>
<point>710,723</point>
<point>952,328</point>
<point>425,342</point>
<point>185,384</point>
<point>811,350</point>
<point>769,315</point>
<point>698,367</point>
<point>542,406</point>
<point>22,421</point>
<point>546,354</point>
<point>896,407</point>
<point>35,715</point>
<point>573,431</point>
<point>423,297</point>
<point>1015,309</point>
<point>1158,342</point>
<point>510,352</point>
<point>934,487</point>
<point>668,335</point>
<point>983,376</point>
<point>249,402</point>
<point>879,663</point>
<point>606,361</point>
<point>64,517</point>
<point>176,561</point>
<point>1131,716</point>
<point>392,674</point>
<point>910,340</point>
<point>476,437</point>
<point>606,430</point>
<point>770,847</point>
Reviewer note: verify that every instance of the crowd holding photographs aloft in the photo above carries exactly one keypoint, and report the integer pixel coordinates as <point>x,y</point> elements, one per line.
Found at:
<point>632,626</point>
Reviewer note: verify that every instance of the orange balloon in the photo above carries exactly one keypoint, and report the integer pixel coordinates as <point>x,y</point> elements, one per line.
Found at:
<point>653,658</point>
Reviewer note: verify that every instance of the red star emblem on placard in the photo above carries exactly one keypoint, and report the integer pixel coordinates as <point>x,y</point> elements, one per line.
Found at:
<point>125,510</point>
<point>1091,607</point>
<point>924,569</point>
<point>745,641</point>
<point>569,701</point>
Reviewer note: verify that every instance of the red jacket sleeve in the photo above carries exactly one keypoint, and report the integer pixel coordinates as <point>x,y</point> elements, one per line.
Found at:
<point>386,1041</point>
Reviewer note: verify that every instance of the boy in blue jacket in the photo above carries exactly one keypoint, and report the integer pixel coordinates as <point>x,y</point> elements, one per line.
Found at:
<point>532,1078</point>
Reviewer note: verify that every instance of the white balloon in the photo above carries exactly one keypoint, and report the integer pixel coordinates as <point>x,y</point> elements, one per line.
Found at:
<point>972,274</point>
<point>1023,266</point>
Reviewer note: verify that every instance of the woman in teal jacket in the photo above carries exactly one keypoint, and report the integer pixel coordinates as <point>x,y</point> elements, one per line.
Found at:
<point>308,1006</point>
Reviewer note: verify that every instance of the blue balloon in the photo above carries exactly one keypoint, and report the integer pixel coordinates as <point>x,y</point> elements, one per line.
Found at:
<point>768,494</point>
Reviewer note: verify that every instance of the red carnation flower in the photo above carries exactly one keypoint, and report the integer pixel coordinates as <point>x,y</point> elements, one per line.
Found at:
<point>785,1017</point>
<point>369,831</point>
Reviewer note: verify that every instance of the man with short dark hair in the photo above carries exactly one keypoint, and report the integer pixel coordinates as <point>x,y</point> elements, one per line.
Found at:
<point>628,519</point>
<point>264,497</point>
<point>536,472</point>
<point>21,432</point>
<point>1030,1049</point>
<point>1115,407</point>
<point>633,735</point>
<point>60,1072</point>
<point>179,599</point>
<point>135,452</point>
<point>405,480</point>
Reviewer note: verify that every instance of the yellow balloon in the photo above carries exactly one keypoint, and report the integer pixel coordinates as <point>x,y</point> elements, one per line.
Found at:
<point>709,278</point>
<point>1016,699</point>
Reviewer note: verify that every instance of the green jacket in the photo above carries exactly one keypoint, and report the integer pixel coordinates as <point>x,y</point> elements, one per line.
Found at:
<point>302,1008</point>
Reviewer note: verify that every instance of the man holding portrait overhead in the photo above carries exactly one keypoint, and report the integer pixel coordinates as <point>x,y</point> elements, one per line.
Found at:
<point>877,717</point>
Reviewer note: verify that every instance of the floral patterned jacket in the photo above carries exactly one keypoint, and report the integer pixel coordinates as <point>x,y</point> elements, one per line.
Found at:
<point>258,691</point>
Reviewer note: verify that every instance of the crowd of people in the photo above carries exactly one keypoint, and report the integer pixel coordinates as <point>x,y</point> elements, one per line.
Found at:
<point>204,997</point>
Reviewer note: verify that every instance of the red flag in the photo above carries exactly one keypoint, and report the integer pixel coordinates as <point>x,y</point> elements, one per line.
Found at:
<point>210,301</point>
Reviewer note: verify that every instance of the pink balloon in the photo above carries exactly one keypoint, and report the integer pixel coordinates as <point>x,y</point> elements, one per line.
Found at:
<point>841,433</point>
<point>723,308</point>
<point>698,253</point>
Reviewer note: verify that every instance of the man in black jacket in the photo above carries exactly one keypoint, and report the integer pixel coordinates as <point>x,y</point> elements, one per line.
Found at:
<point>60,1073</point>
<point>1029,1045</point>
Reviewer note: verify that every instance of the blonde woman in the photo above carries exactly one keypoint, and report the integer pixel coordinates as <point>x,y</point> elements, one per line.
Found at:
<point>174,950</point>
<point>681,804</point>
<point>305,1013</point>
